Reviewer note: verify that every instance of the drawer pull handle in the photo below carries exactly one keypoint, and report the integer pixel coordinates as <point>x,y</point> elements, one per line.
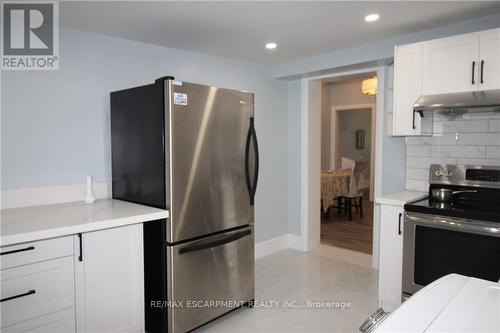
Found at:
<point>221,241</point>
<point>29,248</point>
<point>31,292</point>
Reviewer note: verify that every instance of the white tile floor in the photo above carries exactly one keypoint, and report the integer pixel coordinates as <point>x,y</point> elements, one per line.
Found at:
<point>319,275</point>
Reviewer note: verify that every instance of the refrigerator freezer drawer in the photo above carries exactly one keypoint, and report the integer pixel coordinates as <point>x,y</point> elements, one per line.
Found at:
<point>208,277</point>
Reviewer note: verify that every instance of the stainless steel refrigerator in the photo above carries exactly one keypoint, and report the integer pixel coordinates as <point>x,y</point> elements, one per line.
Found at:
<point>191,149</point>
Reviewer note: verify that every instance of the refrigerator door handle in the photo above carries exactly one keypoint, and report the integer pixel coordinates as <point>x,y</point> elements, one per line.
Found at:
<point>214,243</point>
<point>256,165</point>
<point>252,184</point>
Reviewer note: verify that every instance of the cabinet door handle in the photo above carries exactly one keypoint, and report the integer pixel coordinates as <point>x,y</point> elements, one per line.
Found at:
<point>80,256</point>
<point>421,113</point>
<point>29,248</point>
<point>31,292</point>
<point>482,71</point>
<point>399,225</point>
<point>473,72</point>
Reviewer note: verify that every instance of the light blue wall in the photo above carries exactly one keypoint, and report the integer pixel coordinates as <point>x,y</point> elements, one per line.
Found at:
<point>374,52</point>
<point>55,124</point>
<point>394,147</point>
<point>293,159</point>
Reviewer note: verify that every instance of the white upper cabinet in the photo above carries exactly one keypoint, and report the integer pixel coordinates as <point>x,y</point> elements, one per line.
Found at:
<point>489,62</point>
<point>451,64</point>
<point>462,63</point>
<point>407,88</point>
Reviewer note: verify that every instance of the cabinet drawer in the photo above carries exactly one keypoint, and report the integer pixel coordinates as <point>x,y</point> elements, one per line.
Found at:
<point>57,322</point>
<point>28,253</point>
<point>33,290</point>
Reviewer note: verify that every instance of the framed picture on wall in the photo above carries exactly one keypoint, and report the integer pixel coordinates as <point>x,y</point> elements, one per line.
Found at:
<point>360,139</point>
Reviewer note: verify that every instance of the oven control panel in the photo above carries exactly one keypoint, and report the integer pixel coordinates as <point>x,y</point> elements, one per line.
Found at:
<point>483,175</point>
<point>465,175</point>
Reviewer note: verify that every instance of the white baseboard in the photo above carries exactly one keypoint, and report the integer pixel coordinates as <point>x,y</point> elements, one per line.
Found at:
<point>297,242</point>
<point>273,245</point>
<point>35,196</point>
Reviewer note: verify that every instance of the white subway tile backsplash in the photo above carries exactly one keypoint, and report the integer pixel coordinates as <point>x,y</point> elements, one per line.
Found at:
<point>425,162</point>
<point>479,161</point>
<point>472,138</point>
<point>443,160</point>
<point>488,139</point>
<point>493,152</point>
<point>418,151</point>
<point>494,125</point>
<point>436,139</point>
<point>417,174</point>
<point>417,185</point>
<point>462,126</point>
<point>480,116</point>
<point>458,151</point>
<point>418,162</point>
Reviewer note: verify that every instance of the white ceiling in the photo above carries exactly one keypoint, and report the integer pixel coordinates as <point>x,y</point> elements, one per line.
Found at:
<point>240,29</point>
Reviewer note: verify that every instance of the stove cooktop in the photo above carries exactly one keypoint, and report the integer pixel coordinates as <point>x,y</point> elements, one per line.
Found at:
<point>480,201</point>
<point>471,209</point>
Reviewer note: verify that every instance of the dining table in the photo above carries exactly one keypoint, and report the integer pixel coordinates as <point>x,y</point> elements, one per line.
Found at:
<point>333,184</point>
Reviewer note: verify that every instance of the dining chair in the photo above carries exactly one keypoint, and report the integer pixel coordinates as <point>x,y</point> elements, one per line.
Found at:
<point>353,198</point>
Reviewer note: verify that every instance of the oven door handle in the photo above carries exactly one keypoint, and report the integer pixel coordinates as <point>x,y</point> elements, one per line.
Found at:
<point>455,224</point>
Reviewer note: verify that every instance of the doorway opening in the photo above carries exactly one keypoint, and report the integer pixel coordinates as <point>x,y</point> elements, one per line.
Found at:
<point>347,143</point>
<point>323,108</point>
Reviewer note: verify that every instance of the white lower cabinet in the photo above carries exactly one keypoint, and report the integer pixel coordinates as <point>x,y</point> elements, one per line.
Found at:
<point>56,322</point>
<point>32,290</point>
<point>92,282</point>
<point>109,280</point>
<point>391,256</point>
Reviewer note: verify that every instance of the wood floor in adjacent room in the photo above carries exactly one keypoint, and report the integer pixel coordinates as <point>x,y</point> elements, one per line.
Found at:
<point>356,235</point>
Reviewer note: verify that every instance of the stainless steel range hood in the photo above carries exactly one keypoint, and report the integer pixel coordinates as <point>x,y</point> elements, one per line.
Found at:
<point>488,100</point>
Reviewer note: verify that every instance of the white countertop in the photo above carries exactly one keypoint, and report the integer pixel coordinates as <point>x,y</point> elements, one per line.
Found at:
<point>26,224</point>
<point>400,198</point>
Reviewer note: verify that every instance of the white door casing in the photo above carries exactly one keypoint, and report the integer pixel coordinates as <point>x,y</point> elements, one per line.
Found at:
<point>310,152</point>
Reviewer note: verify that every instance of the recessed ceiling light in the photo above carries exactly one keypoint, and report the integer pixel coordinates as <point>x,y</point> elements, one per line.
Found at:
<point>372,17</point>
<point>271,46</point>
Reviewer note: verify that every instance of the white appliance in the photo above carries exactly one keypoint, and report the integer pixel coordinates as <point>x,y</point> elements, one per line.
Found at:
<point>453,303</point>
